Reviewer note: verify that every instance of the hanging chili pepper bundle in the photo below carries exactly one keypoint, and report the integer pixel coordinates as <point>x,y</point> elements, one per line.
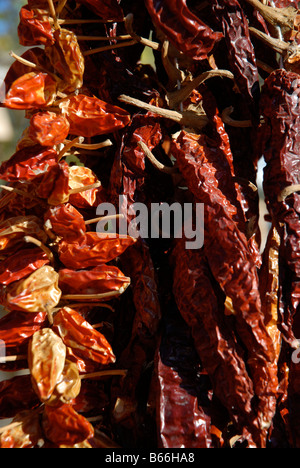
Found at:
<point>148,343</point>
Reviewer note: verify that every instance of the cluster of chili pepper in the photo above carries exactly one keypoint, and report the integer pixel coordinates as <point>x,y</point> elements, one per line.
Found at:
<point>145,342</point>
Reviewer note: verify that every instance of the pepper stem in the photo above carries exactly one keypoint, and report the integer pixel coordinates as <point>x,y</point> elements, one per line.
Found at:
<point>86,297</point>
<point>68,146</point>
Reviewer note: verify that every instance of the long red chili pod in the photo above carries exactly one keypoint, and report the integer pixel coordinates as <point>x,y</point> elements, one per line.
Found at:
<point>77,333</point>
<point>231,263</point>
<point>48,128</point>
<point>198,302</point>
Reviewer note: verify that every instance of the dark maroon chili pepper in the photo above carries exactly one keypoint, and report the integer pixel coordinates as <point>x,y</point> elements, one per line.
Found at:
<point>201,305</point>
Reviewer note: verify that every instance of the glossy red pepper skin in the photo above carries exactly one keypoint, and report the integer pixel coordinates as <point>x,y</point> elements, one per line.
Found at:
<point>183,29</point>
<point>16,328</point>
<point>241,55</point>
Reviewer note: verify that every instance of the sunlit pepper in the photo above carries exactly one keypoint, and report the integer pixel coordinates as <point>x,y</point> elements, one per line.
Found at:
<point>34,27</point>
<point>78,334</point>
<point>48,128</point>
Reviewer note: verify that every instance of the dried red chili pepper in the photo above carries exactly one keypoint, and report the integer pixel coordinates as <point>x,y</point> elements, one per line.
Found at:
<point>37,293</point>
<point>16,328</point>
<point>31,91</point>
<point>93,249</point>
<point>55,184</point>
<point>231,263</point>
<point>65,221</point>
<point>35,56</point>
<point>106,9</point>
<point>67,60</point>
<point>34,27</point>
<point>89,116</point>
<point>183,29</point>
<point>201,305</point>
<point>46,362</point>
<point>48,128</point>
<point>80,176</point>
<point>24,432</point>
<point>28,163</point>
<point>64,426</point>
<point>21,264</point>
<point>16,395</point>
<point>79,335</point>
<point>102,279</point>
